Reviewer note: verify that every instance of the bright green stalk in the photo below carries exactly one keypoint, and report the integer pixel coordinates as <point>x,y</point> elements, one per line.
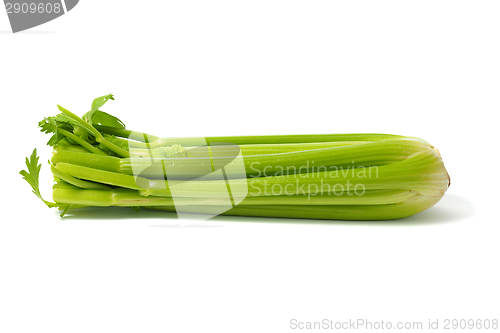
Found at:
<point>116,197</point>
<point>126,197</point>
<point>98,136</point>
<point>124,133</point>
<point>108,163</point>
<point>81,142</point>
<point>376,197</point>
<point>233,150</point>
<point>267,139</point>
<point>64,144</point>
<point>406,208</point>
<point>104,177</point>
<point>121,197</point>
<point>78,182</point>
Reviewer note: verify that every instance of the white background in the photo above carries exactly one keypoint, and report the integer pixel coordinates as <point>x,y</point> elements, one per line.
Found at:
<point>198,68</point>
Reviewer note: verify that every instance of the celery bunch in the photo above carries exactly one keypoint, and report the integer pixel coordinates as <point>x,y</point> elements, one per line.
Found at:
<point>97,161</point>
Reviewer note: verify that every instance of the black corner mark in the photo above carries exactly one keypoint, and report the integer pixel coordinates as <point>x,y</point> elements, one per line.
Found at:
<point>26,14</point>
<point>70,4</point>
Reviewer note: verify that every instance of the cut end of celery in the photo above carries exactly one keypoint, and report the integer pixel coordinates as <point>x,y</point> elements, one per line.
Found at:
<point>437,152</point>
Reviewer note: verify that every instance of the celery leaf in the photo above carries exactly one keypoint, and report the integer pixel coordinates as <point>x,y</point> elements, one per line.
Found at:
<point>32,177</point>
<point>98,117</point>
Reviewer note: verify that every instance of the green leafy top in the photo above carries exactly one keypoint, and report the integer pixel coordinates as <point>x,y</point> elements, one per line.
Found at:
<point>97,117</point>
<point>32,175</point>
<point>60,121</point>
<point>68,125</point>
